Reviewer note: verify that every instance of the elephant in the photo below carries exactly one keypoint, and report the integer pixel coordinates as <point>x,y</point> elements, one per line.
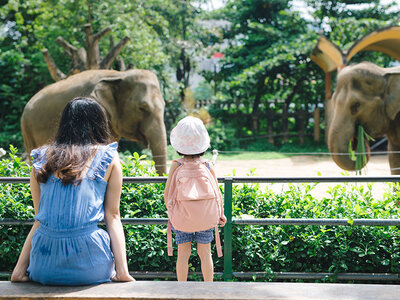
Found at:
<point>365,95</point>
<point>132,100</point>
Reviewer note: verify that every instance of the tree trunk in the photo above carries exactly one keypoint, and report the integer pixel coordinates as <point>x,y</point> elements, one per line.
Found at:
<point>270,122</point>
<point>302,115</point>
<point>317,122</point>
<point>285,123</point>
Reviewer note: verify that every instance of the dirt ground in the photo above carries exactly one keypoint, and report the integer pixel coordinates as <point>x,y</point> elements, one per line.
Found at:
<point>298,166</point>
<point>305,166</point>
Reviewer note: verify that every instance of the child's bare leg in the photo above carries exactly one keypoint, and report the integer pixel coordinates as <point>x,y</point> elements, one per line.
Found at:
<point>184,251</point>
<point>207,266</point>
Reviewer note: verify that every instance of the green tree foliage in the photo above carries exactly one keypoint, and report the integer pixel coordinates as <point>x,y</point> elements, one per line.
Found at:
<point>343,23</point>
<point>164,35</point>
<point>267,66</point>
<point>267,70</point>
<point>21,65</point>
<point>183,40</point>
<point>343,9</point>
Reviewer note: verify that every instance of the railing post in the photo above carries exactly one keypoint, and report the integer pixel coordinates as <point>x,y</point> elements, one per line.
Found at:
<point>228,274</point>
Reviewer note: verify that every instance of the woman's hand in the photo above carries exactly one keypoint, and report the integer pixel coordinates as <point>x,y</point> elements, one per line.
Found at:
<point>19,275</point>
<point>123,278</point>
<point>222,220</point>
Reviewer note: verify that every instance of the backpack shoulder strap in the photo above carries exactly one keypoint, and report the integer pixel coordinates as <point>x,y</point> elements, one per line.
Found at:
<point>179,161</point>
<point>205,162</point>
<point>172,190</point>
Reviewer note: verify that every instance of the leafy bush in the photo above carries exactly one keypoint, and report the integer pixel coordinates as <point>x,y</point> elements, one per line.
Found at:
<point>222,136</point>
<point>15,203</point>
<point>316,248</point>
<point>255,248</point>
<point>259,145</point>
<point>307,147</point>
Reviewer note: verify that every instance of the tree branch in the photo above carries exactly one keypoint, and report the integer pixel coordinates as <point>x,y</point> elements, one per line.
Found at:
<point>55,73</point>
<point>91,53</point>
<point>122,66</point>
<point>78,62</point>
<point>67,46</point>
<point>108,60</point>
<point>111,41</point>
<point>100,34</point>
<point>78,56</point>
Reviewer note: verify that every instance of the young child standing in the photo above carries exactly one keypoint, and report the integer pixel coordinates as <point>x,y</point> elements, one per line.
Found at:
<point>193,198</point>
<point>76,183</point>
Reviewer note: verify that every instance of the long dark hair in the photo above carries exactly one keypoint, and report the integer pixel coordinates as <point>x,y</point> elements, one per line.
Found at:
<point>83,124</point>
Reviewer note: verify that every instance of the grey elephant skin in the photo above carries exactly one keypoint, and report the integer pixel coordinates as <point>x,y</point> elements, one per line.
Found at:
<point>132,99</point>
<point>369,96</point>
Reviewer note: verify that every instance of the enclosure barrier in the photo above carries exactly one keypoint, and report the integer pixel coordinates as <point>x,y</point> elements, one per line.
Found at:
<point>228,273</point>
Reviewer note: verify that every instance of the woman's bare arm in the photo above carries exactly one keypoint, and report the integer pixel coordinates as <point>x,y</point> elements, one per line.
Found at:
<point>113,220</point>
<point>19,272</point>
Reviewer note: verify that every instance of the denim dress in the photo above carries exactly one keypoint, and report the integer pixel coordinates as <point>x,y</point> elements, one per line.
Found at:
<point>68,248</point>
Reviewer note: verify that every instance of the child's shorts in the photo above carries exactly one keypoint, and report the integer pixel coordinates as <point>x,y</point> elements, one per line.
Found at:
<point>201,237</point>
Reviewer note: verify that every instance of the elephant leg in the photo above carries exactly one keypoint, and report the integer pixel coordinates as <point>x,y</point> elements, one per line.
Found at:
<point>394,158</point>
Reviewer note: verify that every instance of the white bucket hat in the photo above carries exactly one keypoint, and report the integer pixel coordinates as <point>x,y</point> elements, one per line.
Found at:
<point>190,136</point>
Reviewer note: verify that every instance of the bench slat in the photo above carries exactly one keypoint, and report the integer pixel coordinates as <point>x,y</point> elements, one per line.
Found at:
<point>201,290</point>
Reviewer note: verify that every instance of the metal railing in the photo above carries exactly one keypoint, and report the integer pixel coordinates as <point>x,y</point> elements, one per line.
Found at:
<point>228,182</point>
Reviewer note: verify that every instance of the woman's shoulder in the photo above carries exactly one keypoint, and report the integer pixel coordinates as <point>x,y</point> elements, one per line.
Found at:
<point>111,146</point>
<point>39,156</point>
<point>38,152</point>
<point>108,153</point>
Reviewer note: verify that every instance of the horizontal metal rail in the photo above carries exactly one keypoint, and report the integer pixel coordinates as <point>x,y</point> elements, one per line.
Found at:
<point>125,221</point>
<point>270,221</point>
<point>249,179</point>
<point>321,221</point>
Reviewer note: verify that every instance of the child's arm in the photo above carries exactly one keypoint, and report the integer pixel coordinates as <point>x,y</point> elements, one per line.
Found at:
<point>222,219</point>
<point>19,272</point>
<point>172,169</point>
<point>113,220</point>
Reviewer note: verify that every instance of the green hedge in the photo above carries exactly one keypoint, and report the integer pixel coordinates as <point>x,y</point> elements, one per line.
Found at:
<point>255,248</point>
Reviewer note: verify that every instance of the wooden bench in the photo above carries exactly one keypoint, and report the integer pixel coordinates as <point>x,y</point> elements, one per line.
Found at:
<point>202,290</point>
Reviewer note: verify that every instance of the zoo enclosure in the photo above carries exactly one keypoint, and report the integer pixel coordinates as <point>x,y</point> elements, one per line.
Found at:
<point>228,273</point>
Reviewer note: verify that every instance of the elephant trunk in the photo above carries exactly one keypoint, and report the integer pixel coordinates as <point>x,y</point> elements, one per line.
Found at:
<point>157,139</point>
<point>338,143</point>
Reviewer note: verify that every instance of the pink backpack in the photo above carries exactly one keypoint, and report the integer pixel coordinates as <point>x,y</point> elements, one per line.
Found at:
<point>194,200</point>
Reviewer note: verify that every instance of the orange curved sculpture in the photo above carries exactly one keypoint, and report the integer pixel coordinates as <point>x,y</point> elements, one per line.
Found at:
<point>331,58</point>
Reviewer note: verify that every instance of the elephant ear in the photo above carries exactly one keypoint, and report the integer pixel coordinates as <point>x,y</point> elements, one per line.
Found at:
<point>105,92</point>
<point>106,87</point>
<point>392,94</point>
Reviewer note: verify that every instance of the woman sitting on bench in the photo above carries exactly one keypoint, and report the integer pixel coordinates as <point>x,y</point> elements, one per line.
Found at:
<point>76,183</point>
